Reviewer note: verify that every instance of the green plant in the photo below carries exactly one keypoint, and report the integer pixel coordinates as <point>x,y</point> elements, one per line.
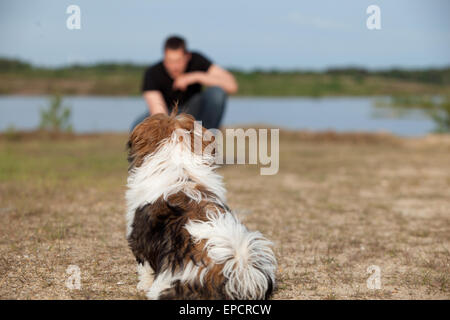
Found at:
<point>437,108</point>
<point>56,118</point>
<point>11,133</point>
<point>441,116</point>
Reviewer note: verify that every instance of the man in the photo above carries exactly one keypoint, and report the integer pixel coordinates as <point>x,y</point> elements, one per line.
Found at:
<point>179,79</point>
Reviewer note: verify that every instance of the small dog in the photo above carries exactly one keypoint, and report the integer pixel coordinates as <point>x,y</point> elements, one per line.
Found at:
<point>187,243</point>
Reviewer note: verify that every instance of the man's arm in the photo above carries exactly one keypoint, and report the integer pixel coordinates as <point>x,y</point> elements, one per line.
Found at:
<point>155,102</point>
<point>215,76</point>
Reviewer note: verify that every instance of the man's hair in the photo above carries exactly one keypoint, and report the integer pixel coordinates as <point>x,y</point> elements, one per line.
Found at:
<point>175,43</point>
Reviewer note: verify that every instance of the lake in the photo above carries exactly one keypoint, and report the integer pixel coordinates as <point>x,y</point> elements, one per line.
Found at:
<point>112,114</point>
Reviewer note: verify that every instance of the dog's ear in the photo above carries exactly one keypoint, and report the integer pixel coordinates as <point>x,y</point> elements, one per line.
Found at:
<point>128,145</point>
<point>130,156</point>
<point>146,137</point>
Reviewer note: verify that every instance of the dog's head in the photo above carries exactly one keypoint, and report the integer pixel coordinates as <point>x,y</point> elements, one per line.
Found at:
<point>160,128</point>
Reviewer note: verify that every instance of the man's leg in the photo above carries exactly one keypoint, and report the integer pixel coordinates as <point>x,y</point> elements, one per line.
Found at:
<point>193,106</point>
<point>139,120</point>
<point>208,106</point>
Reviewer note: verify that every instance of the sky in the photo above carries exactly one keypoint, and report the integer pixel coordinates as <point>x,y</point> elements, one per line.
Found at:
<point>244,34</point>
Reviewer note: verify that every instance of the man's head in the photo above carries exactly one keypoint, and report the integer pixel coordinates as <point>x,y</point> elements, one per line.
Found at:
<point>176,56</point>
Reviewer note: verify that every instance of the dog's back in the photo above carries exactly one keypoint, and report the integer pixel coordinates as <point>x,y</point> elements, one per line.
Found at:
<point>201,251</point>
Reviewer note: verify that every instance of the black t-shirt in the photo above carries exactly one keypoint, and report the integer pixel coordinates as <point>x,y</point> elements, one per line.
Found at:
<point>157,78</point>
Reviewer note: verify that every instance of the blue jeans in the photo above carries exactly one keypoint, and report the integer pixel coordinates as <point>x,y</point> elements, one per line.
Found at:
<point>207,106</point>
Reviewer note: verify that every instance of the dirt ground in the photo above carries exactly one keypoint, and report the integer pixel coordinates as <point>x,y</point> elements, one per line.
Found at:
<point>339,204</point>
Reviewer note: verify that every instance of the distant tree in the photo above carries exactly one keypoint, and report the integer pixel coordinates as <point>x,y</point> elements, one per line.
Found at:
<point>8,65</point>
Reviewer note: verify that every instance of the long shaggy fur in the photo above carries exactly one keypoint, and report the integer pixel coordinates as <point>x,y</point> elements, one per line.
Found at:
<point>187,243</point>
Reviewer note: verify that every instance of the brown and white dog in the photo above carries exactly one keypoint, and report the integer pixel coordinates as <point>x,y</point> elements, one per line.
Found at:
<point>187,243</point>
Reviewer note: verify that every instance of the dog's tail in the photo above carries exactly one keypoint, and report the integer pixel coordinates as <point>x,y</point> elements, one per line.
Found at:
<point>248,261</point>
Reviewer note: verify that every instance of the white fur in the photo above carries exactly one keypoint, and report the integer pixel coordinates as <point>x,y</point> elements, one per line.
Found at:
<point>172,168</point>
<point>164,280</point>
<point>145,276</point>
<point>247,256</point>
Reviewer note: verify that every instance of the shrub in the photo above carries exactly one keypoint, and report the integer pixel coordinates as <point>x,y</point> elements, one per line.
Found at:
<point>56,118</point>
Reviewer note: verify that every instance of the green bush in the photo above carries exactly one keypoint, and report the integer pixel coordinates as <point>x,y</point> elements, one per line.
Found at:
<point>437,108</point>
<point>441,116</point>
<point>56,118</point>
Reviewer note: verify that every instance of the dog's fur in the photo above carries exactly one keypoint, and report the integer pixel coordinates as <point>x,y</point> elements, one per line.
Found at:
<point>187,243</point>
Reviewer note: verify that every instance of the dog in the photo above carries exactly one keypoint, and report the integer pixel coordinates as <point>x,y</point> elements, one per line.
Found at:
<point>186,241</point>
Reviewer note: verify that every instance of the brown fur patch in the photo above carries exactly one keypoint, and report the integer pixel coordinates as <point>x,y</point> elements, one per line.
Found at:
<point>148,135</point>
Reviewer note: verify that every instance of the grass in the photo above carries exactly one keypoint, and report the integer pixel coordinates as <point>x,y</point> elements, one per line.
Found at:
<point>252,84</point>
<point>125,80</point>
<point>340,203</point>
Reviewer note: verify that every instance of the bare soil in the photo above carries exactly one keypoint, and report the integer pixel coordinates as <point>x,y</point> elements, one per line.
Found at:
<point>339,204</point>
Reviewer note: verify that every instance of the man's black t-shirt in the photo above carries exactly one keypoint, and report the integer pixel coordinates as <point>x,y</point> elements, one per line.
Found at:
<point>157,78</point>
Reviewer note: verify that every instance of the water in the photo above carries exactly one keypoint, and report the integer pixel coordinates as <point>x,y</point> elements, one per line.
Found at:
<point>101,114</point>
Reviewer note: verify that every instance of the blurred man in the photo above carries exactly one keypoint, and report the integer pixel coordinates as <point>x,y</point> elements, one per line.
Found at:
<point>179,78</point>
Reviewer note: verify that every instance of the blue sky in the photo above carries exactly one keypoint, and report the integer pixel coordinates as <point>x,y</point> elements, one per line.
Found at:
<point>246,34</point>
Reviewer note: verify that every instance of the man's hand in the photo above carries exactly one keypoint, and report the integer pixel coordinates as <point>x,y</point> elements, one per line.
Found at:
<point>215,76</point>
<point>185,80</point>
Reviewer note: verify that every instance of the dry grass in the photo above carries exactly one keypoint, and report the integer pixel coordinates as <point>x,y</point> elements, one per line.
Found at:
<point>339,204</point>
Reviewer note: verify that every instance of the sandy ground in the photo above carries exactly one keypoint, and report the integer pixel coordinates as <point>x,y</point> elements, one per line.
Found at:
<point>339,204</point>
